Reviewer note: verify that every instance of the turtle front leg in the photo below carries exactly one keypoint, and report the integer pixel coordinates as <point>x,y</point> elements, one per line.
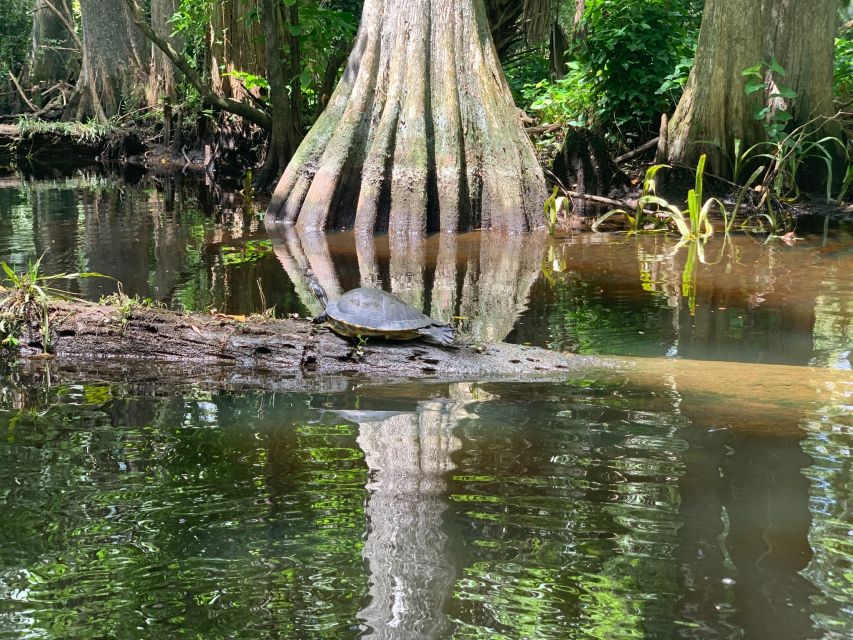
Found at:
<point>321,318</point>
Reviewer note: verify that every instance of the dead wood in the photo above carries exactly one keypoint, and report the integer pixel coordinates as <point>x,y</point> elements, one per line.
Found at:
<point>651,144</point>
<point>90,336</point>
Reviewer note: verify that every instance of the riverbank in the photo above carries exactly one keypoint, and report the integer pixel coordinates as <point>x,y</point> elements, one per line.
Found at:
<point>73,144</point>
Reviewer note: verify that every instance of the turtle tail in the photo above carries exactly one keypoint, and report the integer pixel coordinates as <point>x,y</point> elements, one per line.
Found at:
<point>440,334</point>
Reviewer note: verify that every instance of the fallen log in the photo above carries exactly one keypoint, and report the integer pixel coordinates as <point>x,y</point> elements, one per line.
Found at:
<point>87,336</point>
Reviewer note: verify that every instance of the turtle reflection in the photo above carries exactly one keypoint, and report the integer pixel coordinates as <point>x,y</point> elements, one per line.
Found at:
<point>480,282</point>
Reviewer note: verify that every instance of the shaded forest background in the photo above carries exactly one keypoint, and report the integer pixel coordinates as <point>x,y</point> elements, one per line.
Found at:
<point>243,68</point>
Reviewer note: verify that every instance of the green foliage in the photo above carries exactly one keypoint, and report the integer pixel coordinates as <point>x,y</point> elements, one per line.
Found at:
<point>15,28</point>
<point>191,22</point>
<point>24,297</point>
<point>628,68</point>
<point>323,29</point>
<point>249,80</point>
<point>569,101</point>
<point>843,75</point>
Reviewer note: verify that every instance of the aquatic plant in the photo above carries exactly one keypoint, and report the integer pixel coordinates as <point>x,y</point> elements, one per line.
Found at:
<point>642,219</point>
<point>554,206</point>
<point>25,297</point>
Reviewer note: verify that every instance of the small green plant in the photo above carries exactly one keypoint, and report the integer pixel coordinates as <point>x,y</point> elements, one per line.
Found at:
<point>774,114</point>
<point>9,331</point>
<point>788,152</point>
<point>554,206</point>
<point>360,346</point>
<point>695,223</point>
<point>125,305</point>
<point>641,219</point>
<point>25,298</point>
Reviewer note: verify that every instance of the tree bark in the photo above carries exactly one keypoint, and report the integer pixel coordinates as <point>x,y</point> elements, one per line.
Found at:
<point>115,64</point>
<point>236,44</point>
<point>286,130</point>
<point>52,55</point>
<point>801,37</point>
<point>162,78</point>
<point>420,134</point>
<point>735,34</point>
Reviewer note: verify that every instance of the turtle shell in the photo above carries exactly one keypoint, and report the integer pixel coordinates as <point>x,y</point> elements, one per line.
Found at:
<point>375,312</point>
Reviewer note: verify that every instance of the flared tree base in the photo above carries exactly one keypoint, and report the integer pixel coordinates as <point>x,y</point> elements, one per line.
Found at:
<point>420,135</point>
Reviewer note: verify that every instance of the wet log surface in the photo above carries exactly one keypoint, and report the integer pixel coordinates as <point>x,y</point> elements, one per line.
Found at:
<point>167,347</point>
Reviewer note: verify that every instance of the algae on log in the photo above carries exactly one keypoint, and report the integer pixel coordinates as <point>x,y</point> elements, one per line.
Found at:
<point>421,133</point>
<point>84,335</point>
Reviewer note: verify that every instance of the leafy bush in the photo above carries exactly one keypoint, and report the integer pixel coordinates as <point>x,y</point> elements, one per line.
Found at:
<point>569,101</point>
<point>844,66</point>
<point>631,48</point>
<point>15,27</point>
<point>628,68</point>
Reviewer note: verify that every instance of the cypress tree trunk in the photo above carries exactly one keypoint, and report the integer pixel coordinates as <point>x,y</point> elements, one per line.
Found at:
<point>162,79</point>
<point>115,62</point>
<point>420,134</point>
<point>801,37</point>
<point>715,109</point>
<point>236,44</point>
<point>52,55</point>
<point>286,131</point>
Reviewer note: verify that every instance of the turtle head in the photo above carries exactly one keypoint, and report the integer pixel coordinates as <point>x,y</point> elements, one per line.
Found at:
<point>316,288</point>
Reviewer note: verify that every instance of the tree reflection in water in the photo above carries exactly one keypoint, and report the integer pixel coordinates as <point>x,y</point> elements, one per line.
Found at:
<point>479,282</point>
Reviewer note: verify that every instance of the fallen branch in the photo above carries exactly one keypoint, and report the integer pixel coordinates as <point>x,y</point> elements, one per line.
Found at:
<point>610,202</point>
<point>542,129</point>
<point>21,92</point>
<point>651,144</point>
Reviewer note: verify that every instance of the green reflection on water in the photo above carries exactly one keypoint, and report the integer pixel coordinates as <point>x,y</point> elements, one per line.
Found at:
<point>488,511</point>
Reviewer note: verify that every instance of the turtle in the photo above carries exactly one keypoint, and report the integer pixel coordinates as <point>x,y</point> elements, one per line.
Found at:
<point>367,312</point>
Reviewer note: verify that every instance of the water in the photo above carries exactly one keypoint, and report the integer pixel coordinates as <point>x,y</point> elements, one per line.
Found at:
<point>701,492</point>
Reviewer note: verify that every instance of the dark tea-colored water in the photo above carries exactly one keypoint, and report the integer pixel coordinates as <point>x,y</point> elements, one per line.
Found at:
<point>699,488</point>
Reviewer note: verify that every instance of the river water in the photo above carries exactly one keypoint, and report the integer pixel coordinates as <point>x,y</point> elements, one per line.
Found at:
<point>702,490</point>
